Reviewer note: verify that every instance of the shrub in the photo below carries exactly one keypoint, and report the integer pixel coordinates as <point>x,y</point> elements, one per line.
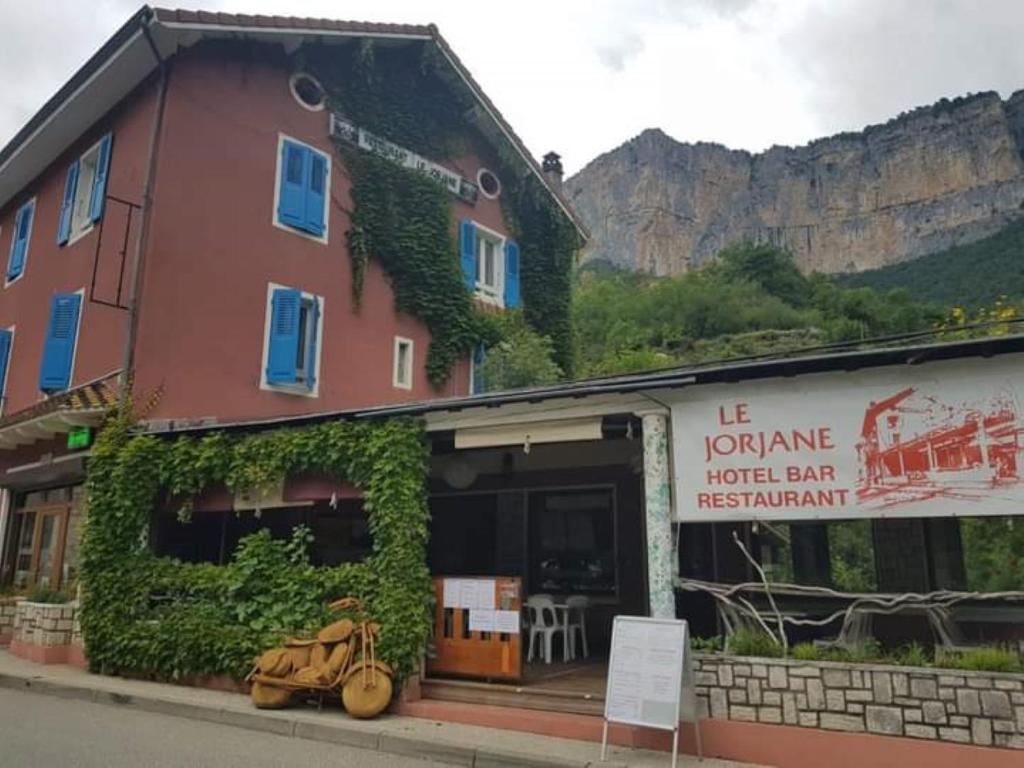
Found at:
<point>986,659</point>
<point>913,655</point>
<point>712,644</point>
<point>753,642</point>
<point>805,652</point>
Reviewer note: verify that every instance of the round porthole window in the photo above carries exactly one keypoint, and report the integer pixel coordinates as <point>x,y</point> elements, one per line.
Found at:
<point>307,91</point>
<point>488,183</point>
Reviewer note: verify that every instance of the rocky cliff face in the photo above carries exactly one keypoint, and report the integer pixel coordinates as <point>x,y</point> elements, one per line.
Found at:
<point>929,179</point>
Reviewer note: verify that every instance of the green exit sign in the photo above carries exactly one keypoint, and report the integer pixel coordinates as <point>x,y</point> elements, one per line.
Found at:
<point>80,437</point>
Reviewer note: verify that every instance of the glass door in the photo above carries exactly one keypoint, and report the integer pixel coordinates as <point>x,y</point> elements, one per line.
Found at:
<point>50,526</point>
<point>37,542</point>
<point>25,536</point>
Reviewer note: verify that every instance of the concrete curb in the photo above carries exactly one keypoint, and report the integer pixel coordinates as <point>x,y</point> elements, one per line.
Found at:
<point>342,732</point>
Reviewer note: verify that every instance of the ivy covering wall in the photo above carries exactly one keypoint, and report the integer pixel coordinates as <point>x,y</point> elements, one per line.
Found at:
<point>147,614</point>
<point>403,219</point>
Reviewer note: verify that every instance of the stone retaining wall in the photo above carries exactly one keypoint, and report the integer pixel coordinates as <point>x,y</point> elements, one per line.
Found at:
<point>8,606</point>
<point>47,633</point>
<point>44,624</point>
<point>980,708</point>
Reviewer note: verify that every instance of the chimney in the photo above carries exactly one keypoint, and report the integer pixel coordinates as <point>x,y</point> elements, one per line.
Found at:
<point>553,170</point>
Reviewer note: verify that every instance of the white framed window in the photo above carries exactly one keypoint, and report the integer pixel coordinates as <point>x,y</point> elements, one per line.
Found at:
<point>403,365</point>
<point>80,219</point>
<point>85,192</point>
<point>6,351</point>
<point>490,264</point>
<point>302,189</point>
<point>292,341</point>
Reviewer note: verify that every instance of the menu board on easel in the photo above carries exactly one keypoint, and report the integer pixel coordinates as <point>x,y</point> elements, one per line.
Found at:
<point>649,675</point>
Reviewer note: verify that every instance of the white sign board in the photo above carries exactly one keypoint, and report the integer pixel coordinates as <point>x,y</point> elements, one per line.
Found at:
<point>650,677</point>
<point>645,672</point>
<point>932,440</point>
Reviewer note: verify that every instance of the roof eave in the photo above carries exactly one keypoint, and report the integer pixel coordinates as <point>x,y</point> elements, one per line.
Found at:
<point>168,32</point>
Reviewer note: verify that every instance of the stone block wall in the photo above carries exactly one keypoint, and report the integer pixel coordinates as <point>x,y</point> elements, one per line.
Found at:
<point>8,608</point>
<point>980,708</point>
<point>44,624</point>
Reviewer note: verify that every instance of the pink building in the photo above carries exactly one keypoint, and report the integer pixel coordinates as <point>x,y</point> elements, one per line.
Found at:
<point>178,213</point>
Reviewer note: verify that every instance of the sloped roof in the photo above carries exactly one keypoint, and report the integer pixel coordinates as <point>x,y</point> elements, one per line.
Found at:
<point>84,405</point>
<point>153,35</point>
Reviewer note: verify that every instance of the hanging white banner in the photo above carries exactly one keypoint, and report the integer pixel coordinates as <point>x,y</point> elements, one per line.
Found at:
<point>933,440</point>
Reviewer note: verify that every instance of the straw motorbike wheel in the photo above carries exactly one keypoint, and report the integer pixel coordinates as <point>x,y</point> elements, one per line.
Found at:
<point>269,696</point>
<point>369,700</point>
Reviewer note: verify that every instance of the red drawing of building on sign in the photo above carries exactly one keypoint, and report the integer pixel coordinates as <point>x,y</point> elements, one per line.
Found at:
<point>914,447</point>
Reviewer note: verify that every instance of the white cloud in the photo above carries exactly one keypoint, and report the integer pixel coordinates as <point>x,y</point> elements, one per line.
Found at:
<point>580,76</point>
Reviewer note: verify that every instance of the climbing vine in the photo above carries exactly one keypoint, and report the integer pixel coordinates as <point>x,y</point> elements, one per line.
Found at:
<point>403,219</point>
<point>143,613</point>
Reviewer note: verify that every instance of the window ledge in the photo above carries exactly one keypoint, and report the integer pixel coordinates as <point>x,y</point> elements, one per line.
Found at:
<point>291,389</point>
<point>78,235</point>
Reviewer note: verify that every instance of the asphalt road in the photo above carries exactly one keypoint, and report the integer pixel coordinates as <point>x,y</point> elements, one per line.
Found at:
<point>39,731</point>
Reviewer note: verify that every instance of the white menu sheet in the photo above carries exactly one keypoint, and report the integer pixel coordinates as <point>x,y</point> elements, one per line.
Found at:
<point>481,620</point>
<point>507,622</point>
<point>469,593</point>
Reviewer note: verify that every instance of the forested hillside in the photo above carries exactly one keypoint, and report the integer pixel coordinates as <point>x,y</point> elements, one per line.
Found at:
<point>970,276</point>
<point>750,300</point>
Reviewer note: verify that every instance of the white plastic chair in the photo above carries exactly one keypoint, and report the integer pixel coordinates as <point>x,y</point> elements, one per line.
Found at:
<point>575,621</point>
<point>544,625</point>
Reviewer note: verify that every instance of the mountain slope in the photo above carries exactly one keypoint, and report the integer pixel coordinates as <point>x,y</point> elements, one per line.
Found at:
<point>930,179</point>
<point>972,275</point>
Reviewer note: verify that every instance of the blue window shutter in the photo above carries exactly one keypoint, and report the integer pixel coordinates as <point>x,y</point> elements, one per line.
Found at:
<point>59,345</point>
<point>467,251</point>
<point>19,241</point>
<point>67,205</point>
<point>314,320</point>
<point>479,355</point>
<point>291,199</point>
<point>5,356</point>
<point>99,181</point>
<point>283,345</point>
<point>316,194</point>
<point>511,274</point>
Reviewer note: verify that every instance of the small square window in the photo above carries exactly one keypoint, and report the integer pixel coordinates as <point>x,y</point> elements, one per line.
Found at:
<point>403,367</point>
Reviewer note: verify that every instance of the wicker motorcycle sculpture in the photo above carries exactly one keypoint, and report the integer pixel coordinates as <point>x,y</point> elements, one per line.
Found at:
<point>341,660</point>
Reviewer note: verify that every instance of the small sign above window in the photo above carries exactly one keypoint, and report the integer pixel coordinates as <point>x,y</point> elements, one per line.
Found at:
<point>345,129</point>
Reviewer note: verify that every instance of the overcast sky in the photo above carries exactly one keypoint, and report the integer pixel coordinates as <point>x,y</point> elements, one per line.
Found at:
<point>582,76</point>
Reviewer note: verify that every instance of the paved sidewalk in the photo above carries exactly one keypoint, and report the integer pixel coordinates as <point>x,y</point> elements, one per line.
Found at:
<point>449,743</point>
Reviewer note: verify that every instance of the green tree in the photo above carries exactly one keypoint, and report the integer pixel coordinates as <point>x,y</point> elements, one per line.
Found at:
<point>767,266</point>
<point>522,358</point>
